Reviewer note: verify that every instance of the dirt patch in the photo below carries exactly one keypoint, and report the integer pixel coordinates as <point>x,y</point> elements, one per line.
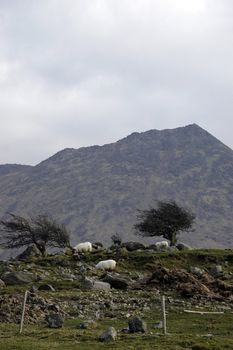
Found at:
<point>187,284</point>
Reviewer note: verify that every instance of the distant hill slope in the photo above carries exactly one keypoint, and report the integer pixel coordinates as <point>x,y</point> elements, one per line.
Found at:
<point>96,191</point>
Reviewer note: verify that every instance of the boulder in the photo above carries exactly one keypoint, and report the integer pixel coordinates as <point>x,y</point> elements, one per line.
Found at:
<point>101,285</point>
<point>28,253</point>
<point>88,283</point>
<point>216,271</point>
<point>131,246</point>
<point>117,281</point>
<point>55,320</point>
<point>137,325</point>
<point>183,246</point>
<point>109,335</point>
<point>12,278</point>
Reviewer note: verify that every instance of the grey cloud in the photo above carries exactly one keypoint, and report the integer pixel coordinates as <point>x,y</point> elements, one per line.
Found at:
<point>75,73</point>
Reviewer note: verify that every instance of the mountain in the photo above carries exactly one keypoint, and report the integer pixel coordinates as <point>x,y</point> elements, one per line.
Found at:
<point>97,190</point>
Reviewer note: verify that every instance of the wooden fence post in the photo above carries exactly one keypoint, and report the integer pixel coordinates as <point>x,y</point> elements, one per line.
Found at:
<point>23,311</point>
<point>164,316</point>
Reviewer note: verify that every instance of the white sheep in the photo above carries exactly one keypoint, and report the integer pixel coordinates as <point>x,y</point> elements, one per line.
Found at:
<point>83,247</point>
<point>161,245</point>
<point>106,265</point>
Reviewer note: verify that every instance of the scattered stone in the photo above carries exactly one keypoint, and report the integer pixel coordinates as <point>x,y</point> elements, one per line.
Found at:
<point>101,285</point>
<point>47,287</point>
<point>12,278</point>
<point>196,271</point>
<point>216,271</point>
<point>117,281</point>
<point>90,324</point>
<point>131,246</point>
<point>55,320</point>
<point>88,284</point>
<point>183,246</point>
<point>137,325</point>
<point>109,335</point>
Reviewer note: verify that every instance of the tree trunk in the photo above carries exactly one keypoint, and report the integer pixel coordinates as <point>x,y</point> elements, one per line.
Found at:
<point>42,249</point>
<point>173,239</point>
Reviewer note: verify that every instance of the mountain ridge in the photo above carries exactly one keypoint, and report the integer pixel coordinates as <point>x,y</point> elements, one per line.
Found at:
<point>97,190</point>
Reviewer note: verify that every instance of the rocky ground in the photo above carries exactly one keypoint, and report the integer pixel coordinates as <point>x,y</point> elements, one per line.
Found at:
<point>72,287</point>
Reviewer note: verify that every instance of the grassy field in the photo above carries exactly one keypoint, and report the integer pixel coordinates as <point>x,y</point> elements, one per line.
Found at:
<point>185,331</point>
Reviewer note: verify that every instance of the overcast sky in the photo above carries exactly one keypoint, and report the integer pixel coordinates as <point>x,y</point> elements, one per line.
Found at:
<point>76,73</point>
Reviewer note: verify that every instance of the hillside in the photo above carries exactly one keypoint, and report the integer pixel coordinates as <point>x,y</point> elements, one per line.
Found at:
<point>87,301</point>
<point>96,191</point>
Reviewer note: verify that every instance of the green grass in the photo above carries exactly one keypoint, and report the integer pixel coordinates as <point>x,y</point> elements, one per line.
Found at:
<point>186,331</point>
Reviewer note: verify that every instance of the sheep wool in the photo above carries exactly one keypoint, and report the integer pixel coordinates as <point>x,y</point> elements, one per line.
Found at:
<point>162,245</point>
<point>106,265</point>
<point>83,247</point>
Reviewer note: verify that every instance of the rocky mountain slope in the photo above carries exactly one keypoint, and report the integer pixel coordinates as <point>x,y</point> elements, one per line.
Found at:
<point>97,190</point>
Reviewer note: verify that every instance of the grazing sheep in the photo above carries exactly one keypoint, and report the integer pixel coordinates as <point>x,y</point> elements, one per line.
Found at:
<point>106,265</point>
<point>83,247</point>
<point>161,245</point>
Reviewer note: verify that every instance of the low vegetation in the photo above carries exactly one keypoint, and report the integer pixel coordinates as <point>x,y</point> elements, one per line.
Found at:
<point>115,307</point>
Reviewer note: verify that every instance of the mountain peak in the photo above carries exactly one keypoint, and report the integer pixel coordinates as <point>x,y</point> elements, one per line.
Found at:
<point>97,190</point>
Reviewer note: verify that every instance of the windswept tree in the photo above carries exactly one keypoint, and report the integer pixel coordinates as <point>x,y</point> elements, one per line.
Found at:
<point>167,220</point>
<point>42,231</point>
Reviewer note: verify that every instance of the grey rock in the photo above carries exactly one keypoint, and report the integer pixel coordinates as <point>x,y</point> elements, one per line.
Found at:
<point>90,324</point>
<point>109,335</point>
<point>137,325</point>
<point>47,287</point>
<point>196,271</point>
<point>101,285</point>
<point>29,252</point>
<point>131,246</point>
<point>216,271</point>
<point>88,284</point>
<point>117,281</point>
<point>12,278</point>
<point>55,320</point>
<point>183,246</point>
